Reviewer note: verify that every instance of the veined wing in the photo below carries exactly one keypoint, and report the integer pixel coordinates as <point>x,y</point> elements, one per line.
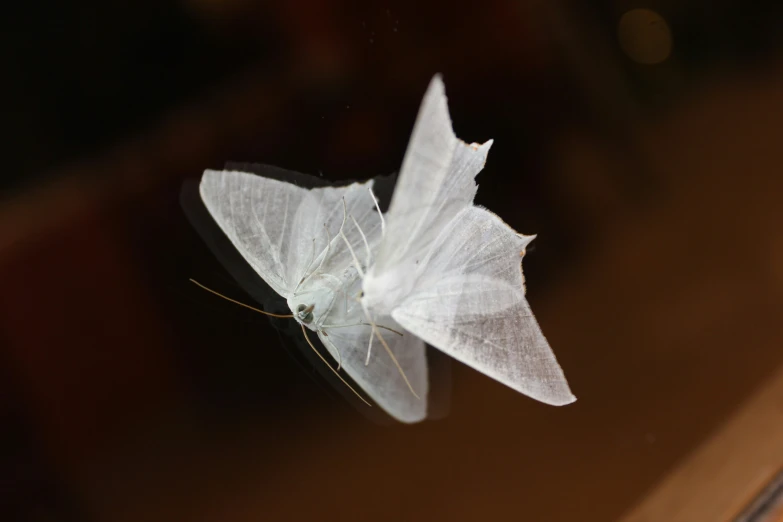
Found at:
<point>436,182</point>
<point>469,302</point>
<point>379,378</point>
<point>279,228</point>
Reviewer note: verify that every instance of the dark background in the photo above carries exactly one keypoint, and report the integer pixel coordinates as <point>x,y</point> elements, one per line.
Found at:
<point>128,394</point>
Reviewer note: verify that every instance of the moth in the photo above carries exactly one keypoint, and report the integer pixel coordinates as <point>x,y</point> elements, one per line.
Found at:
<point>375,287</point>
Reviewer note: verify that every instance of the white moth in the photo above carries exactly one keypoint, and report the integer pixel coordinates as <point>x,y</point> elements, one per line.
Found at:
<point>300,242</point>
<point>450,272</point>
<point>438,269</point>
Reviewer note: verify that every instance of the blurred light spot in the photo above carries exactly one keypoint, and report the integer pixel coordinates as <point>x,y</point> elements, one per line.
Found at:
<point>644,36</point>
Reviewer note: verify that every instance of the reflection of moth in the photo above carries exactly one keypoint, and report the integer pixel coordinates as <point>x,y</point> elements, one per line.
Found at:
<point>435,268</point>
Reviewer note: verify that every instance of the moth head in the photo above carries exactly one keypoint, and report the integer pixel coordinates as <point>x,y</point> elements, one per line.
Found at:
<point>305,313</point>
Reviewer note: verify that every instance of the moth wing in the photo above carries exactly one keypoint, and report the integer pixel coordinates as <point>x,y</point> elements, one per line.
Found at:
<point>436,181</point>
<point>469,301</point>
<point>355,205</point>
<point>279,228</point>
<point>380,378</point>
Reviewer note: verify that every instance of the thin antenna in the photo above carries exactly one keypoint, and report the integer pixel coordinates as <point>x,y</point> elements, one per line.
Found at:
<point>378,207</point>
<point>241,304</point>
<point>304,331</point>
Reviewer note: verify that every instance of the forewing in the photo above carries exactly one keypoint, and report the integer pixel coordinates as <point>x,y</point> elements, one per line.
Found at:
<point>257,215</point>
<point>436,182</point>
<point>469,302</point>
<point>282,229</point>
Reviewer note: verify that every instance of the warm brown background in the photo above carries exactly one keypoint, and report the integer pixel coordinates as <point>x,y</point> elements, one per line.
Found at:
<point>130,395</point>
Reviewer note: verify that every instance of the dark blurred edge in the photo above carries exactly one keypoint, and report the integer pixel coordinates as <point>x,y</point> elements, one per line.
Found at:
<point>762,508</point>
<point>31,489</point>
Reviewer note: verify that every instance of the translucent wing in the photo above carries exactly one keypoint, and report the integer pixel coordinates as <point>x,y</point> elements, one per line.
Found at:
<point>436,182</point>
<point>285,232</point>
<point>380,378</point>
<point>282,229</point>
<point>469,302</point>
<point>346,335</point>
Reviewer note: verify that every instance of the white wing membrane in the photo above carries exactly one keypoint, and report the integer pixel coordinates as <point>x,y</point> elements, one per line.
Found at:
<point>381,379</point>
<point>436,181</point>
<point>444,271</point>
<point>469,302</point>
<point>256,214</point>
<point>282,229</point>
<point>286,232</point>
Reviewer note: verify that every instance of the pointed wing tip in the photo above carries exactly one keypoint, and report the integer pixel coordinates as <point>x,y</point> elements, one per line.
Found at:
<point>481,148</point>
<point>436,90</point>
<point>437,82</point>
<point>558,395</point>
<point>526,240</point>
<point>565,402</point>
<point>557,401</point>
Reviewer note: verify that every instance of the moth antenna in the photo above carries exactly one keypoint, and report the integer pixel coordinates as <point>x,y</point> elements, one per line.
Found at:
<point>364,238</point>
<point>378,208</point>
<point>348,244</point>
<point>240,304</point>
<point>391,354</point>
<point>304,331</point>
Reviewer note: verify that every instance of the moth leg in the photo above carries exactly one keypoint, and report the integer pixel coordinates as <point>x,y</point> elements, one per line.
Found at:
<point>348,243</point>
<point>364,238</point>
<point>304,332</point>
<point>377,333</point>
<point>369,349</point>
<point>339,357</point>
<point>378,208</point>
